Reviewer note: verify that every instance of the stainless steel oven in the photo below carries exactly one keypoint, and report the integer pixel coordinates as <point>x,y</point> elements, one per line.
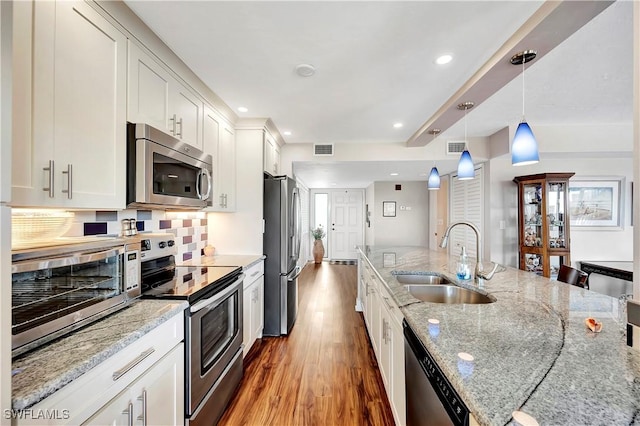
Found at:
<point>164,172</point>
<point>213,325</point>
<point>214,334</point>
<point>55,290</point>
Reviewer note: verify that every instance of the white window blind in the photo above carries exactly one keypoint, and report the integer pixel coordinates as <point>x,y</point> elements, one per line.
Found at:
<point>466,204</point>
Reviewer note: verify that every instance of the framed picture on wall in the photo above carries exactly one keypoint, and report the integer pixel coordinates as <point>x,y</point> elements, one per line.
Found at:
<point>596,202</point>
<point>388,208</point>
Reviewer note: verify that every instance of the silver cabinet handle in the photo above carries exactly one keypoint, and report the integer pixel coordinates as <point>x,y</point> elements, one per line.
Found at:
<point>69,173</point>
<point>173,122</point>
<point>221,200</point>
<point>179,134</point>
<point>121,372</point>
<point>143,417</point>
<point>129,413</point>
<point>254,274</point>
<point>51,176</point>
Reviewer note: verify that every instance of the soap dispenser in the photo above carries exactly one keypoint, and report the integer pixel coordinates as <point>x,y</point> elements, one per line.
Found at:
<point>462,270</point>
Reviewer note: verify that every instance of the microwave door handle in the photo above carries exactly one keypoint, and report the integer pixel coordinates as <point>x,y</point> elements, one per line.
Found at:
<point>206,173</point>
<point>198,182</point>
<point>218,296</point>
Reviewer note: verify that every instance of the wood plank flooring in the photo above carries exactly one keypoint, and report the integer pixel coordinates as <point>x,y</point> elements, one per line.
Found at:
<point>324,372</point>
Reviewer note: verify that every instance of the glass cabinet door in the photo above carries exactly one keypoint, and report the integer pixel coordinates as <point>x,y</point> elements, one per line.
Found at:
<point>556,215</point>
<point>532,215</point>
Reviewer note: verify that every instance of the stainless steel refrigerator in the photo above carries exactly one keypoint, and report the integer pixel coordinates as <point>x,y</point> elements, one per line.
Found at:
<point>282,249</point>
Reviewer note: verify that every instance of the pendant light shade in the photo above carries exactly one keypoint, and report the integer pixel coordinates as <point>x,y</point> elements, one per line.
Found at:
<point>434,179</point>
<point>434,176</point>
<point>466,170</point>
<point>465,166</point>
<point>524,148</point>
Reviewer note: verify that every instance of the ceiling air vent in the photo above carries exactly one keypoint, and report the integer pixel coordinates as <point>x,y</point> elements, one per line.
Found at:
<point>455,147</point>
<point>323,149</point>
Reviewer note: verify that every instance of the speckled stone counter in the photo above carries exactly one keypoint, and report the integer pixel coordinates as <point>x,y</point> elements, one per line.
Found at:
<point>532,349</point>
<point>40,373</point>
<point>246,261</point>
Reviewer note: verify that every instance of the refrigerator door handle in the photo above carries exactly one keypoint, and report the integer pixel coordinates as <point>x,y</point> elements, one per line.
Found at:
<point>294,274</point>
<point>295,215</point>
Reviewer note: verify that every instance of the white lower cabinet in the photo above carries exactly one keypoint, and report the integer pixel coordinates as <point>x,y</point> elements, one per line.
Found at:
<point>253,306</point>
<point>142,384</point>
<point>150,400</point>
<point>384,325</point>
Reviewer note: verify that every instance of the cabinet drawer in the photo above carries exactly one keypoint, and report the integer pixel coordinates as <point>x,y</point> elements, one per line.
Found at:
<point>253,273</point>
<point>87,394</point>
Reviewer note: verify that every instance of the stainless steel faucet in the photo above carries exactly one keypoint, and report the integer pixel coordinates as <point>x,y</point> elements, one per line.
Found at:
<point>478,273</point>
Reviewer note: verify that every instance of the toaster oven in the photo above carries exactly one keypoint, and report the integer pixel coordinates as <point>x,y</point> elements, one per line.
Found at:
<point>55,290</point>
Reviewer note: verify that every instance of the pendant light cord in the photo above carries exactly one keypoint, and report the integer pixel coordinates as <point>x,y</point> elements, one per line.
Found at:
<point>465,129</point>
<point>523,61</point>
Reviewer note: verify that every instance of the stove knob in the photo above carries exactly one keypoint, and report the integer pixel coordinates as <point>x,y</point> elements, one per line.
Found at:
<point>162,244</point>
<point>171,243</point>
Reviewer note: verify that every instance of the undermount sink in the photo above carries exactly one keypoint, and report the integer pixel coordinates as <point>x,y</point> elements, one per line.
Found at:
<point>443,293</point>
<point>428,279</point>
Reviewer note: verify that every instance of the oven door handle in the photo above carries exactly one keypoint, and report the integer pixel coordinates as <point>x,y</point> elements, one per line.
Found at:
<point>218,296</point>
<point>56,262</point>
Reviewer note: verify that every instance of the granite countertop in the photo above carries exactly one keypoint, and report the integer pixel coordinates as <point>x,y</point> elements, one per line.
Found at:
<point>244,260</point>
<point>532,351</point>
<point>39,373</point>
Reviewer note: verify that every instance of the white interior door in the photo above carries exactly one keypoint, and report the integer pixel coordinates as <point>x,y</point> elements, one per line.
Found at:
<point>346,231</point>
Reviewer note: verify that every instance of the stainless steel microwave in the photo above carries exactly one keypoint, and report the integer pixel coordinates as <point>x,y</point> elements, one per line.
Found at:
<point>164,172</point>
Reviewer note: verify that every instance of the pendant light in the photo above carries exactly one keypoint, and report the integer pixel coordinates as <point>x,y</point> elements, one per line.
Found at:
<point>524,148</point>
<point>434,176</point>
<point>465,165</point>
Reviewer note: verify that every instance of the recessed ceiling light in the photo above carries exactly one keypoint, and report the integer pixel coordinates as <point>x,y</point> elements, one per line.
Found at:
<point>333,184</point>
<point>444,59</point>
<point>305,70</point>
<point>286,133</point>
<point>397,125</point>
<point>243,109</point>
<point>393,174</point>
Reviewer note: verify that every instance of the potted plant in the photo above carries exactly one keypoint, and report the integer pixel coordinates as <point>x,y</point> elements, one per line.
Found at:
<point>318,248</point>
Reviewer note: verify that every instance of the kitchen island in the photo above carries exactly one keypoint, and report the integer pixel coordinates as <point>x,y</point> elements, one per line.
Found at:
<point>532,351</point>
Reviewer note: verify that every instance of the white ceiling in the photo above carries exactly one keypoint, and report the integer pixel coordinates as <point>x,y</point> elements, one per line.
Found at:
<point>375,66</point>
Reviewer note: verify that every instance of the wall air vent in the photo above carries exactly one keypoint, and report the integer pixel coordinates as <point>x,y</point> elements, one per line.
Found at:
<point>455,147</point>
<point>325,149</point>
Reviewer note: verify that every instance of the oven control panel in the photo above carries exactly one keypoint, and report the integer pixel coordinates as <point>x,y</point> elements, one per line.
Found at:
<point>153,246</point>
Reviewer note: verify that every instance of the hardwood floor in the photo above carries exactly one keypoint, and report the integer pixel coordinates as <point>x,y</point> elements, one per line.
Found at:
<point>324,372</point>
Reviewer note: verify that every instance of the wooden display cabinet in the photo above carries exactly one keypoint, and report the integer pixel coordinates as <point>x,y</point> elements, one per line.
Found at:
<point>543,222</point>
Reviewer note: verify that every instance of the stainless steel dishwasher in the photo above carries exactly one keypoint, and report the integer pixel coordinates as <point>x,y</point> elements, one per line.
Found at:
<point>431,400</point>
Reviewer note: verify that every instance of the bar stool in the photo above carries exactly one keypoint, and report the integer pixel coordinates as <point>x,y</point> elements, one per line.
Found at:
<point>573,276</point>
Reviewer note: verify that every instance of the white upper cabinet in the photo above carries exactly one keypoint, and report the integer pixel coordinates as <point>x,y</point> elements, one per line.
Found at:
<point>157,98</point>
<point>70,112</point>
<point>271,155</point>
<point>148,94</point>
<point>219,141</point>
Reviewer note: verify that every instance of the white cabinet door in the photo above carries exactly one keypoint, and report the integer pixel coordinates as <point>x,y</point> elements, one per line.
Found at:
<point>227,166</point>
<point>157,98</point>
<point>219,141</point>
<point>186,111</point>
<point>77,148</point>
<point>253,306</point>
<point>148,92</point>
<point>398,400</point>
<point>271,155</point>
<point>257,315</point>
<point>156,398</point>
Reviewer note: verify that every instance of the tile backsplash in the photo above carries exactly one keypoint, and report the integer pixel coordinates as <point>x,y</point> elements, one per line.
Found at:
<point>189,228</point>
